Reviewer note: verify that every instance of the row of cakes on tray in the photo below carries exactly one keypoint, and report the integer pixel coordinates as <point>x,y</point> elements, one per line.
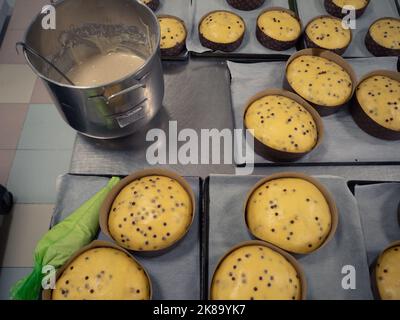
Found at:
<point>287,125</point>
<point>280,29</point>
<point>150,211</point>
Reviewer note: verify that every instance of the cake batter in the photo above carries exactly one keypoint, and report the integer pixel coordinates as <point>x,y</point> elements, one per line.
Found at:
<point>104,68</point>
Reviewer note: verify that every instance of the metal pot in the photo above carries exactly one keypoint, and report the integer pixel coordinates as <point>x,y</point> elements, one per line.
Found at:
<point>88,27</point>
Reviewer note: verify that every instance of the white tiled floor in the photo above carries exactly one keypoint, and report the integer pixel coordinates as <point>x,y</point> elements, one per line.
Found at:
<point>34,173</point>
<point>35,147</point>
<point>12,118</point>
<point>44,129</point>
<point>6,160</point>
<point>8,277</point>
<point>16,83</point>
<point>32,220</point>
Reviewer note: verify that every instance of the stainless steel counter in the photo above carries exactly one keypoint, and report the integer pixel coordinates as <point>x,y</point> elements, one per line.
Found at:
<point>198,97</point>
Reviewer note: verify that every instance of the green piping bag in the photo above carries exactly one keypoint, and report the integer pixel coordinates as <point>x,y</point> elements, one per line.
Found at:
<point>61,242</point>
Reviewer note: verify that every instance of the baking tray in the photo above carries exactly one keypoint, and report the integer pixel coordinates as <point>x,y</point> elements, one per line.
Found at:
<point>176,274</point>
<point>224,227</point>
<point>378,204</point>
<point>344,142</point>
<point>250,48</point>
<point>184,10</point>
<point>376,9</point>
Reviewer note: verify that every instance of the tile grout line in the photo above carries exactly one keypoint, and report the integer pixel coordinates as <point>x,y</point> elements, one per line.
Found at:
<point>19,138</point>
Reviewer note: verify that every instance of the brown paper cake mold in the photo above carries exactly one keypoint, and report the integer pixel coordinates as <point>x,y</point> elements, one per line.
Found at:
<point>152,4</point>
<point>290,259</point>
<point>47,294</point>
<point>377,49</point>
<point>311,44</point>
<point>336,10</point>
<point>322,109</point>
<point>277,155</point>
<point>179,46</point>
<point>245,5</point>
<point>216,46</point>
<point>364,121</point>
<point>375,278</point>
<point>275,44</point>
<point>147,250</point>
<point>326,194</point>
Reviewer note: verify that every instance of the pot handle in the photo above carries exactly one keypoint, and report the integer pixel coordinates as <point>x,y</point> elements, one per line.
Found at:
<point>134,87</point>
<point>122,92</point>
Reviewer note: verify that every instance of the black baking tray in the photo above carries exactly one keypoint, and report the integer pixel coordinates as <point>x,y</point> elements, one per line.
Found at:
<point>155,265</point>
<point>268,75</point>
<point>379,207</point>
<point>242,57</point>
<point>181,57</point>
<point>353,183</point>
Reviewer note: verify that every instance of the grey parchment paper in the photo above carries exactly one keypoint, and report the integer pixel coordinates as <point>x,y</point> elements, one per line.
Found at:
<point>344,141</point>
<point>309,9</point>
<point>322,268</point>
<point>378,204</point>
<point>250,43</point>
<point>175,275</point>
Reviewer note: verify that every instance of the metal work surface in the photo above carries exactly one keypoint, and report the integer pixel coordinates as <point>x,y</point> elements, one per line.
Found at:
<point>197,96</point>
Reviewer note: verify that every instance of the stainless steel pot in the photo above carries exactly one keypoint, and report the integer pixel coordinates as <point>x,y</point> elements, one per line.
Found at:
<point>88,27</point>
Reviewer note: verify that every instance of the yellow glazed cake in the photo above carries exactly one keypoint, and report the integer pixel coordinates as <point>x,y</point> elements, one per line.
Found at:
<point>222,30</point>
<point>150,214</point>
<point>282,124</point>
<point>335,7</point>
<point>290,213</point>
<point>340,8</point>
<point>278,29</point>
<point>357,4</point>
<point>255,272</point>
<point>102,274</point>
<point>383,37</point>
<point>279,25</point>
<point>387,274</point>
<point>379,97</point>
<point>173,35</point>
<point>320,81</point>
<point>328,33</point>
<point>386,32</point>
